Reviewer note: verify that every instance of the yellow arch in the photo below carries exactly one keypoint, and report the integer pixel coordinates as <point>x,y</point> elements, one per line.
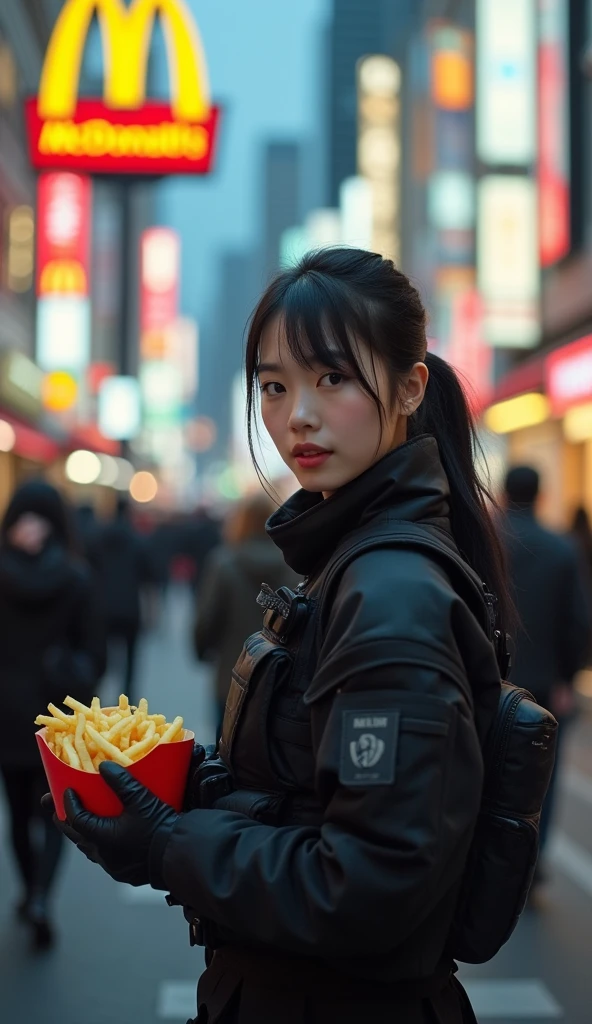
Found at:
<point>126,33</point>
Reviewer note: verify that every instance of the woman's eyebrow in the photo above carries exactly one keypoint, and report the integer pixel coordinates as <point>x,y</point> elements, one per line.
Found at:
<point>269,368</point>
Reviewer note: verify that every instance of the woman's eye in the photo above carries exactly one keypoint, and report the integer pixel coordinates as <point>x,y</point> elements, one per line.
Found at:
<point>266,389</point>
<point>334,378</point>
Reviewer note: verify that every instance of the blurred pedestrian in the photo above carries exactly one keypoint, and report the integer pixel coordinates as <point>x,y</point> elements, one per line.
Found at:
<point>51,645</point>
<point>553,605</point>
<point>201,533</point>
<point>86,524</point>
<point>120,559</point>
<point>227,609</point>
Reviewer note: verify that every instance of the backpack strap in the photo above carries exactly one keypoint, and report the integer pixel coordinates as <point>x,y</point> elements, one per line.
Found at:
<point>437,545</point>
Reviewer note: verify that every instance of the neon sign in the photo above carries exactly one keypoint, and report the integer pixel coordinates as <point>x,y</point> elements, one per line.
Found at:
<point>124,133</point>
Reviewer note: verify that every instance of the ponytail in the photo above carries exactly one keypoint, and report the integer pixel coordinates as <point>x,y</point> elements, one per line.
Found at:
<point>445,414</point>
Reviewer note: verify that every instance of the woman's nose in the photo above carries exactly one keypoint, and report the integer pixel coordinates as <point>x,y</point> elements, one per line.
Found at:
<point>304,413</point>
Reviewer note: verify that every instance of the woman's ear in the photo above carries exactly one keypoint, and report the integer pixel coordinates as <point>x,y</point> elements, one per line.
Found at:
<point>415,388</point>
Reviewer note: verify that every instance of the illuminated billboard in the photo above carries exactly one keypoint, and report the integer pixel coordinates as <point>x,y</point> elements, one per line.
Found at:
<point>506,82</point>
<point>124,133</point>
<point>379,148</point>
<point>553,129</point>
<point>64,203</point>
<point>507,259</point>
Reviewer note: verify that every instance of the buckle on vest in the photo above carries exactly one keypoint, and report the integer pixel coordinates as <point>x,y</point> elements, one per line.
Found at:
<point>196,933</point>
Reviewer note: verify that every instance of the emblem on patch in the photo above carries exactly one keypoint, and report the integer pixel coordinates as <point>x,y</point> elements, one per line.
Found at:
<point>368,747</point>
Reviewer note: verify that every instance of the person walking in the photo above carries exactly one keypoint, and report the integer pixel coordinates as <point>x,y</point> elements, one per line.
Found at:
<point>51,645</point>
<point>121,562</point>
<point>227,609</point>
<point>554,632</point>
<point>321,853</point>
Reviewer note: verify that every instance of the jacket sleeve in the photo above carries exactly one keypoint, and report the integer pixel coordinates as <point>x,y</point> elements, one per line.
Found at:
<point>212,599</point>
<point>399,771</point>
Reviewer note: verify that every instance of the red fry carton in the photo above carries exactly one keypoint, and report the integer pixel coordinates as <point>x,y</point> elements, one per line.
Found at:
<point>163,770</point>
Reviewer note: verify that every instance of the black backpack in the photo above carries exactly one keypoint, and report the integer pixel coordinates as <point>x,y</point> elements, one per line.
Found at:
<point>518,757</point>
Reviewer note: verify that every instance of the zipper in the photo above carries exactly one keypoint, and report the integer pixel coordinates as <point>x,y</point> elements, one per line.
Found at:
<point>499,742</point>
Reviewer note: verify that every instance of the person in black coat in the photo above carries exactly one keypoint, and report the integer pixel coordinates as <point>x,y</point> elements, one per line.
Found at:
<point>51,645</point>
<point>549,588</point>
<point>121,562</point>
<point>324,882</point>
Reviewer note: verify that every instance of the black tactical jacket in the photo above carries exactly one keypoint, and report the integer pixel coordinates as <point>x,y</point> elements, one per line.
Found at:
<point>371,744</point>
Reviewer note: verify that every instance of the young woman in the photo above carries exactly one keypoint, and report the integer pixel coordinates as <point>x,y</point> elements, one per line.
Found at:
<point>51,642</point>
<point>324,884</point>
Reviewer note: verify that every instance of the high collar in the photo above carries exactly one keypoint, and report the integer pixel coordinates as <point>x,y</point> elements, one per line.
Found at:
<point>409,483</point>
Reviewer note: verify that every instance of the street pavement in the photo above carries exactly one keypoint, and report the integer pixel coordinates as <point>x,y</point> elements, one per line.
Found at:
<point>123,956</point>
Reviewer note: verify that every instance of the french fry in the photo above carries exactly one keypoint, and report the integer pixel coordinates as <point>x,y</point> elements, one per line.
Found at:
<point>112,752</point>
<point>173,729</point>
<point>124,703</point>
<point>77,706</point>
<point>149,741</point>
<point>80,745</point>
<point>71,754</point>
<point>52,723</point>
<point>61,715</point>
<point>120,726</point>
<point>95,706</point>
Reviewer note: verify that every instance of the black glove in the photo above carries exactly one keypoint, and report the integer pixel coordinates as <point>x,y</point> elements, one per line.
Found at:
<point>130,847</point>
<point>208,780</point>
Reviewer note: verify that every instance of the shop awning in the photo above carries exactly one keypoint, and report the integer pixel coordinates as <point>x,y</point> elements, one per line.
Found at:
<point>528,376</point>
<point>31,443</point>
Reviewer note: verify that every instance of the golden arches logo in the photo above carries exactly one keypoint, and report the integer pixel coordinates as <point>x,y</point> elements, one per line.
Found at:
<point>63,277</point>
<point>126,34</point>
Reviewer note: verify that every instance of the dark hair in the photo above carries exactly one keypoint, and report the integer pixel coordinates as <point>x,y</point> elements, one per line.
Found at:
<point>333,297</point>
<point>41,498</point>
<point>522,486</point>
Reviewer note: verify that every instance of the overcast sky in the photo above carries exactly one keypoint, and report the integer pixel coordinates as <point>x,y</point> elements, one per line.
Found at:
<point>264,61</point>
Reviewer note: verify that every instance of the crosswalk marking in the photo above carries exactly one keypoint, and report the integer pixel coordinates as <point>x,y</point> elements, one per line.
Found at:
<point>518,998</point>
<point>177,1000</point>
<point>573,860</point>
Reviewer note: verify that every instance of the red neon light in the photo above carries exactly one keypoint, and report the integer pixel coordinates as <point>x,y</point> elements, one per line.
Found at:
<point>554,219</point>
<point>568,375</point>
<point>63,233</point>
<point>99,140</point>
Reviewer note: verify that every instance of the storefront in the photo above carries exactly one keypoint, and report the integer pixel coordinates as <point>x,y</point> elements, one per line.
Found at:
<point>544,410</point>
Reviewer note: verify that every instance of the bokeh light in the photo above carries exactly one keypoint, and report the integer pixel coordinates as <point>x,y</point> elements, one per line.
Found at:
<point>143,487</point>
<point>83,467</point>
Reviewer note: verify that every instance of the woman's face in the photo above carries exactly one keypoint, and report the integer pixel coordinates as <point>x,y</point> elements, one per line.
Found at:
<point>324,425</point>
<point>29,533</point>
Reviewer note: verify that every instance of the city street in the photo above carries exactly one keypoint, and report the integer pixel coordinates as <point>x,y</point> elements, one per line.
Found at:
<point>123,956</point>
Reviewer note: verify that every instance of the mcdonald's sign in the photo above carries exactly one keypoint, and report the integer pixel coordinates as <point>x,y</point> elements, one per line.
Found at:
<point>123,133</point>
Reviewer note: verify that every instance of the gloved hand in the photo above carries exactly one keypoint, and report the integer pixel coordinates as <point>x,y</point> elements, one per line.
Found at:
<point>130,847</point>
<point>208,780</point>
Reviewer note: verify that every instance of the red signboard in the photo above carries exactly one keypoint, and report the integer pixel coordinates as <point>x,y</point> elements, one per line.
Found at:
<point>553,132</point>
<point>123,133</point>
<point>63,234</point>
<point>159,287</point>
<point>568,375</point>
<point>468,352</point>
<point>99,140</point>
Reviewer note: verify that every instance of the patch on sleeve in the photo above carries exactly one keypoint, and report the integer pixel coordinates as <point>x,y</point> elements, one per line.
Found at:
<point>368,747</point>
